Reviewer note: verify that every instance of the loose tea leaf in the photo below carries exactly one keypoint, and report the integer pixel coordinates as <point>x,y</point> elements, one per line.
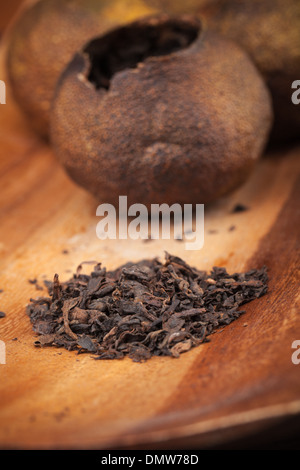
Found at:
<point>239,208</point>
<point>35,283</point>
<point>141,309</point>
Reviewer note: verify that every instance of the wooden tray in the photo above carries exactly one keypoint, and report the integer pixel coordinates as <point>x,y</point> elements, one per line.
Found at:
<point>240,383</point>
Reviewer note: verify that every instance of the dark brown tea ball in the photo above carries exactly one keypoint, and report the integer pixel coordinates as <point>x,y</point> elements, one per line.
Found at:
<point>161,111</point>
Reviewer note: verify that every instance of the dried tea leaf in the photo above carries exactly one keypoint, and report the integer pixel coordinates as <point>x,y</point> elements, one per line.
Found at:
<point>141,310</point>
<point>180,348</point>
<point>85,342</point>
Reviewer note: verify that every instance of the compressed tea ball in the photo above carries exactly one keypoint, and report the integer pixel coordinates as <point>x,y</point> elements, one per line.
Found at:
<point>162,111</point>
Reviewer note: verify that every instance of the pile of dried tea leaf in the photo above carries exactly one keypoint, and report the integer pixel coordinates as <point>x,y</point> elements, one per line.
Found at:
<point>142,309</point>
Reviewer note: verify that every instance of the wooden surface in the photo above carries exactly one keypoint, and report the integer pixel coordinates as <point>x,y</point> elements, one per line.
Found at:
<point>240,383</point>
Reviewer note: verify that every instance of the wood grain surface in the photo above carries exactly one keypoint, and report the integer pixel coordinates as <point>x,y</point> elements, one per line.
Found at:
<point>240,383</point>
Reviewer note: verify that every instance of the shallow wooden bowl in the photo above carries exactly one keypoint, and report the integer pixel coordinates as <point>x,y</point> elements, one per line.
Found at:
<point>241,383</point>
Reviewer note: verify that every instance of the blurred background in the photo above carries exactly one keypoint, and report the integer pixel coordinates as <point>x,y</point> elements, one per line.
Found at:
<point>8,9</point>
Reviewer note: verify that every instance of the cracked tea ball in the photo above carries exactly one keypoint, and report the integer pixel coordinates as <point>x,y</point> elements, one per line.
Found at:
<point>162,111</point>
<point>43,40</point>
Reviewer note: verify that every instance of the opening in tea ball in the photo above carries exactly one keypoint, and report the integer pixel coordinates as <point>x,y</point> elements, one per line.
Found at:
<point>128,46</point>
